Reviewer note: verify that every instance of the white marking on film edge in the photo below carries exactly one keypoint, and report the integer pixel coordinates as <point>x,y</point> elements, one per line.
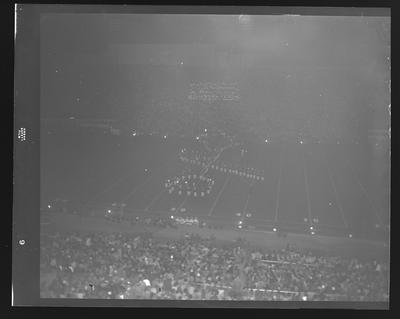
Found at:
<point>15,21</point>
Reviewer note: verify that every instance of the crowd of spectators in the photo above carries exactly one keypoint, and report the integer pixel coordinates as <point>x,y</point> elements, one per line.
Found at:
<point>128,266</point>
<point>152,221</point>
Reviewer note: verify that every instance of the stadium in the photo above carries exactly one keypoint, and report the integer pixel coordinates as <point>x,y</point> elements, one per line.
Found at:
<point>187,175</point>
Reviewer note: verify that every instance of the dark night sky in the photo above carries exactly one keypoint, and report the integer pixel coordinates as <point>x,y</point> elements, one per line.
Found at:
<point>92,65</point>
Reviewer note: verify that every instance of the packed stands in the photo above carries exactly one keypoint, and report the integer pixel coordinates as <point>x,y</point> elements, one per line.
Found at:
<point>122,266</point>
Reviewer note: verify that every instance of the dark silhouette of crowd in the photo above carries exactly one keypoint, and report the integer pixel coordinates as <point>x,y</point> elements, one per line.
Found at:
<point>128,266</point>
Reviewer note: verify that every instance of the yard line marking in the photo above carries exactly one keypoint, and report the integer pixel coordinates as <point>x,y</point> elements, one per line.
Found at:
<point>147,178</point>
<point>248,197</point>
<point>219,195</point>
<point>307,190</point>
<point>222,188</point>
<point>370,201</point>
<point>155,199</point>
<point>365,193</point>
<point>205,169</point>
<point>183,202</point>
<point>119,180</point>
<point>337,196</point>
<point>279,189</point>
<point>202,173</point>
<point>110,187</point>
<point>129,195</point>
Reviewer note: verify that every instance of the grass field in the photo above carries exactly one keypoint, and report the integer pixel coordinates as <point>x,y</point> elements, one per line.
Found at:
<point>345,187</point>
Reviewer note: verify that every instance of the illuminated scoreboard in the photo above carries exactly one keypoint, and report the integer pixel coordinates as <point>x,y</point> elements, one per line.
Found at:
<point>214,91</point>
